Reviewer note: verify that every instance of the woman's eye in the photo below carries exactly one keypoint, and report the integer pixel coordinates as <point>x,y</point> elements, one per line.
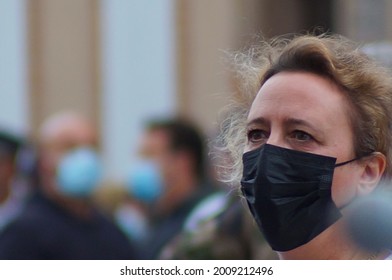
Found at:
<point>302,136</point>
<point>257,135</point>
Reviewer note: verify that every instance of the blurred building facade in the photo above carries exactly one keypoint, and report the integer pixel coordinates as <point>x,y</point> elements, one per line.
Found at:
<point>121,61</point>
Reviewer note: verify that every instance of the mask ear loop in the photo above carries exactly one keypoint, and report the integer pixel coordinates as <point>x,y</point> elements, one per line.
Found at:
<point>347,162</point>
<point>351,160</point>
<point>344,163</point>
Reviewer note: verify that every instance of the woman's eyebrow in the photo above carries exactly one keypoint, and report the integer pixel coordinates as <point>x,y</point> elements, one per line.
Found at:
<point>258,121</point>
<point>301,122</point>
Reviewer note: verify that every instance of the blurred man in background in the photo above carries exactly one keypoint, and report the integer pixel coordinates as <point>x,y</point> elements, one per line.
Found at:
<point>172,179</point>
<point>220,227</point>
<point>60,222</point>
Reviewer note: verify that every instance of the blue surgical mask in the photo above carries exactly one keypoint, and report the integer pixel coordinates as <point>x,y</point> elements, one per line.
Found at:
<point>144,181</point>
<point>79,172</point>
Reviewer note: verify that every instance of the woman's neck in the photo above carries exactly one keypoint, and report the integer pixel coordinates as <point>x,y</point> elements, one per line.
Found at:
<point>332,244</point>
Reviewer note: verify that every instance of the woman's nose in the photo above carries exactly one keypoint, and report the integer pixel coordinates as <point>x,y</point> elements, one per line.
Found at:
<point>277,138</point>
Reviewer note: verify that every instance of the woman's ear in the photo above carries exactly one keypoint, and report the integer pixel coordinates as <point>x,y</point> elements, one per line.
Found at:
<point>373,168</point>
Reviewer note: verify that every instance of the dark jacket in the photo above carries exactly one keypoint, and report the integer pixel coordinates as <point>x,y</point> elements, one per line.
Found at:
<point>46,231</point>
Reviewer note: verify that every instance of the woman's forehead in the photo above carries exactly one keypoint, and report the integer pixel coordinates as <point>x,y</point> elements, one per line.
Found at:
<point>298,95</point>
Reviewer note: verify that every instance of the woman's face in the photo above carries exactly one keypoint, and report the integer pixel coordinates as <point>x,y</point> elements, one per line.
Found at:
<point>306,112</point>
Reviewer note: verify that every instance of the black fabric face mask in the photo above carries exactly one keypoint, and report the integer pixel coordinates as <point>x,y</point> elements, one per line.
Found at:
<point>289,194</point>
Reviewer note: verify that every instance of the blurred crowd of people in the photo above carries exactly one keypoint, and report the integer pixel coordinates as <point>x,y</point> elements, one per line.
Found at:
<point>54,203</point>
